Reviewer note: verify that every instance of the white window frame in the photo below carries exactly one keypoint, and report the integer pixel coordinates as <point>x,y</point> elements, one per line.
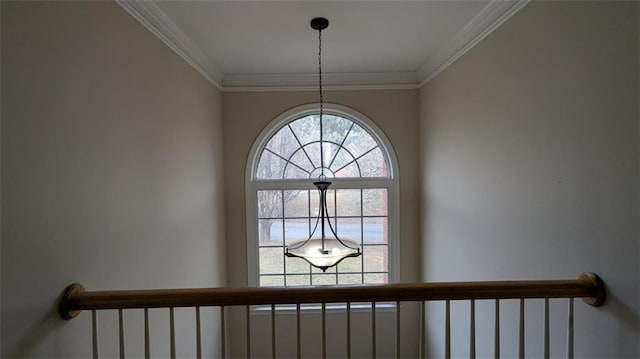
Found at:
<point>391,183</point>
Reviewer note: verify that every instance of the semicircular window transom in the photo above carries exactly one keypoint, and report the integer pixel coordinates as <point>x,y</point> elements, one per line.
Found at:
<point>348,151</point>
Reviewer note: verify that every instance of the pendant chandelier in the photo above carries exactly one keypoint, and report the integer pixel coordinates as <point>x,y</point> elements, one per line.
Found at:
<point>324,249</point>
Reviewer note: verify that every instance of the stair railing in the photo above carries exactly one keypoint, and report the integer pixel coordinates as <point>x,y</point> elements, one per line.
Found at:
<point>589,287</point>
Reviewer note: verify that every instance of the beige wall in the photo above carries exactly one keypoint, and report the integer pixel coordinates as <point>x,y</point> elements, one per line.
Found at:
<point>246,114</point>
<point>111,174</point>
<point>529,169</point>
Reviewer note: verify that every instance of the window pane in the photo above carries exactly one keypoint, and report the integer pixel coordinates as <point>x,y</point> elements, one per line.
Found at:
<point>349,279</point>
<point>343,158</point>
<point>296,203</point>
<point>269,204</point>
<point>323,279</point>
<point>270,166</point>
<point>350,265</point>
<point>374,202</point>
<point>376,278</point>
<point>307,129</point>
<point>375,258</point>
<point>292,172</point>
<point>348,202</point>
<point>331,203</point>
<point>298,280</point>
<point>350,170</point>
<point>283,143</point>
<point>297,265</point>
<point>373,165</point>
<point>296,230</point>
<point>349,228</point>
<point>314,201</point>
<point>330,150</point>
<point>375,230</point>
<point>270,232</point>
<point>302,160</point>
<point>313,150</point>
<point>335,128</point>
<point>271,260</point>
<point>271,280</point>
<point>359,141</point>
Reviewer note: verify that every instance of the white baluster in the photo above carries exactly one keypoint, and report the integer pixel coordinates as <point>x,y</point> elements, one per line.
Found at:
<point>223,330</point>
<point>398,339</point>
<point>521,331</point>
<point>348,330</point>
<point>547,353</point>
<point>273,331</point>
<point>423,331</point>
<point>199,335</point>
<point>94,334</point>
<point>496,335</point>
<point>248,311</point>
<point>172,333</point>
<point>147,351</point>
<point>472,329</point>
<point>324,330</point>
<point>121,333</point>
<point>447,330</point>
<point>373,330</point>
<point>298,338</point>
<point>570,330</point>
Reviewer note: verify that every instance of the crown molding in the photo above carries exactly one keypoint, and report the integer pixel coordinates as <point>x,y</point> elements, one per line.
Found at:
<point>494,14</point>
<point>315,88</point>
<point>156,21</point>
<point>336,80</point>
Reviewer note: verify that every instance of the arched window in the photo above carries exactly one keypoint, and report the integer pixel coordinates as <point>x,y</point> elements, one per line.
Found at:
<point>282,203</point>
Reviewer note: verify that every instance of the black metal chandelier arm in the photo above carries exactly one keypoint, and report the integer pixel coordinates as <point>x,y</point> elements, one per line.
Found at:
<point>309,238</point>
<point>333,231</point>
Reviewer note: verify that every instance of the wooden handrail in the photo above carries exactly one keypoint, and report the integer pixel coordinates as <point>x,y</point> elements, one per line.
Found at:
<point>588,286</point>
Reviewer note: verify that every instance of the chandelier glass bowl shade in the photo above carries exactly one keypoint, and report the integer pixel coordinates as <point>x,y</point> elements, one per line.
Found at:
<point>323,249</point>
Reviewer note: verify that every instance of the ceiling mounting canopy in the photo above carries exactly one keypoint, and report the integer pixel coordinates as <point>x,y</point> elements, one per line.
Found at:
<point>319,23</point>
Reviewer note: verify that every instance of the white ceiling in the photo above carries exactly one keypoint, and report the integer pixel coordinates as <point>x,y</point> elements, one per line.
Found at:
<point>245,44</point>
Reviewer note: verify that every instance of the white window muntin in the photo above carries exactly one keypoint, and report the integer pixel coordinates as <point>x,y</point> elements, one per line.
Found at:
<point>253,185</point>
